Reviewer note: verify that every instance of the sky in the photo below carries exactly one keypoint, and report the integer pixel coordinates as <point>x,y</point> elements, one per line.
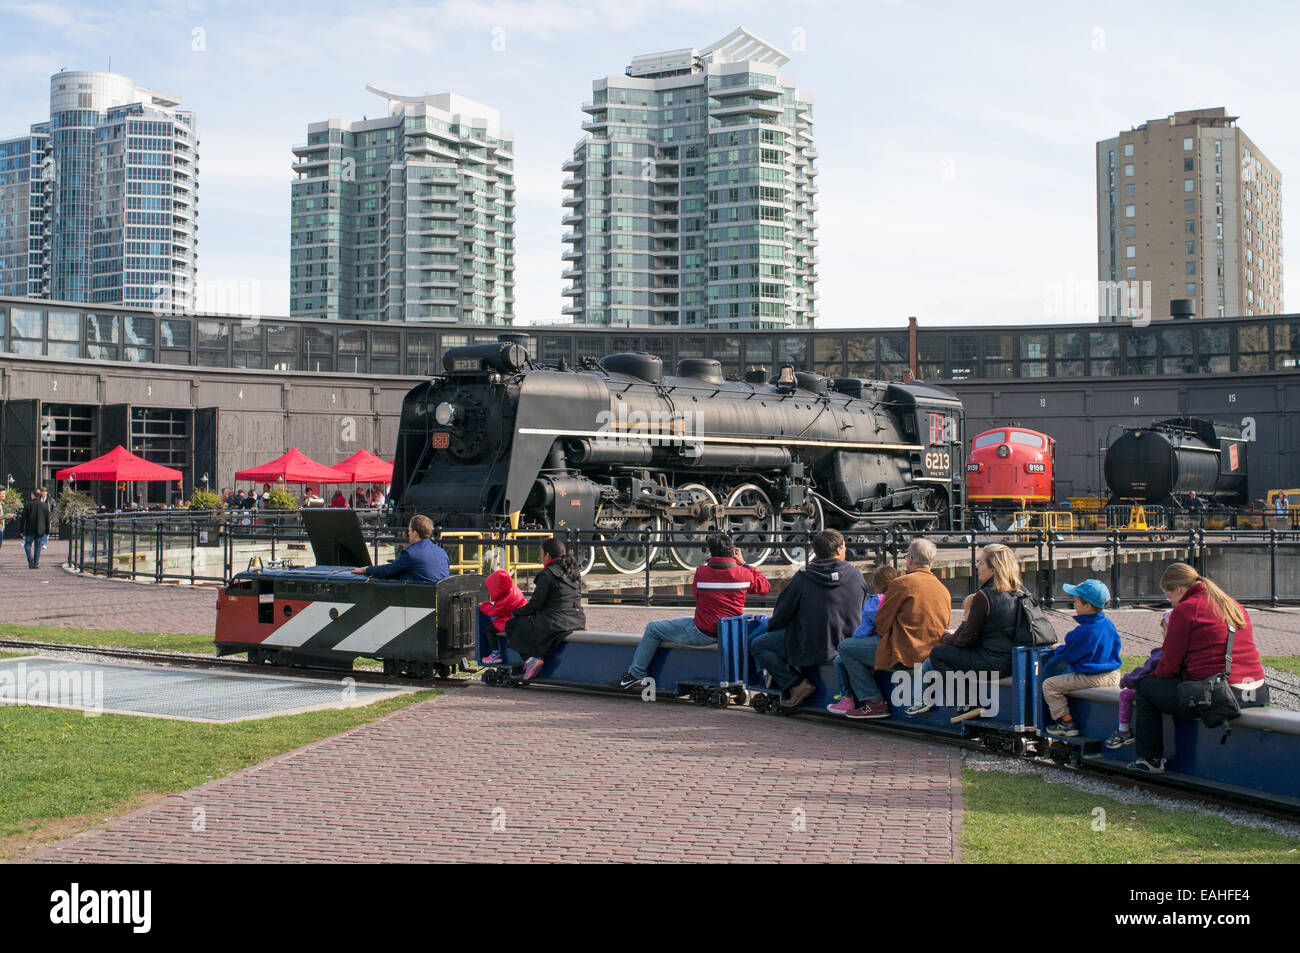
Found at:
<point>957,140</point>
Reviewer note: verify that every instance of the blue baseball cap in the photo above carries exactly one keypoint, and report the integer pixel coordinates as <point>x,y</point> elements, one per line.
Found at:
<point>1091,591</point>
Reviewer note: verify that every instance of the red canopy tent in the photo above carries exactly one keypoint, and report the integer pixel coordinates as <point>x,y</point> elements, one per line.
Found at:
<point>120,465</point>
<point>364,467</point>
<point>294,467</point>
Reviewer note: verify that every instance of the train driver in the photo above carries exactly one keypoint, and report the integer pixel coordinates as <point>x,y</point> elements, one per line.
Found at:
<point>422,561</point>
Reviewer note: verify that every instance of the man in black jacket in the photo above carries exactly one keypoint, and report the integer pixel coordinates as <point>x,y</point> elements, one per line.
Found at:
<point>36,521</point>
<point>818,608</point>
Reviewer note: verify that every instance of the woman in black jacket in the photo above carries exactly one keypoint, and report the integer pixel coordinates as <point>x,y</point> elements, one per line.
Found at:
<point>537,629</point>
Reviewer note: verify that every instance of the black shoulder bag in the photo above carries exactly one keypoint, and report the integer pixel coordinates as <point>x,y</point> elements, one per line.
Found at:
<point>1211,699</point>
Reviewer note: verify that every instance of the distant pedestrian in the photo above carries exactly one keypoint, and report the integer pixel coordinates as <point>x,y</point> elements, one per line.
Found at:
<point>339,501</point>
<point>36,520</point>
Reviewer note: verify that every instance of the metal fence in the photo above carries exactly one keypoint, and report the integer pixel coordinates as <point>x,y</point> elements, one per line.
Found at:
<point>1258,566</point>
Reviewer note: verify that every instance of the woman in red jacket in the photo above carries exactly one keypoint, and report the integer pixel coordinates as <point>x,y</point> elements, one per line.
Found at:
<point>1194,648</point>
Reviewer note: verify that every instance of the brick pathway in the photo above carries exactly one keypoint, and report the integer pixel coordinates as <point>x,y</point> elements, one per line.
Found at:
<point>571,778</point>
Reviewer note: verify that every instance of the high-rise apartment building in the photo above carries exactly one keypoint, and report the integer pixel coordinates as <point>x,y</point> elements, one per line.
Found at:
<point>100,203</point>
<point>409,217</point>
<point>1191,205</point>
<point>691,201</point>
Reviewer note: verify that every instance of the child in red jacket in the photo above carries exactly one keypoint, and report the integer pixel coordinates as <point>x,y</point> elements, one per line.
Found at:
<point>504,599</point>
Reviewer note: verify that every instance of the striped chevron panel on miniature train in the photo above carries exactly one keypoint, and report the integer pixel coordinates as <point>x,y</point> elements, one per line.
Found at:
<point>346,630</point>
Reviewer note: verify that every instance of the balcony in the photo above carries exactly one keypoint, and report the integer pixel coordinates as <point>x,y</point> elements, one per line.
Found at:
<point>761,109</point>
<point>572,183</point>
<point>756,89</point>
<point>574,219</point>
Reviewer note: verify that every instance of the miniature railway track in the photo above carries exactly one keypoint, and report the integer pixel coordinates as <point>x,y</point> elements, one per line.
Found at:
<point>1240,799</point>
<point>191,660</point>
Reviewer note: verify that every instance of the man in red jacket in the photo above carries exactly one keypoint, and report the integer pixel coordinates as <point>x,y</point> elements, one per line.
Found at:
<point>720,588</point>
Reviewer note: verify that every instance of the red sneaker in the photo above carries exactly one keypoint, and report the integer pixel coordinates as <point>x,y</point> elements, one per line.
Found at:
<point>532,667</point>
<point>878,709</point>
<point>846,704</point>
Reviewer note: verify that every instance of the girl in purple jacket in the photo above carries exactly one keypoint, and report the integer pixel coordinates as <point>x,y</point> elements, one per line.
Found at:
<point>1128,691</point>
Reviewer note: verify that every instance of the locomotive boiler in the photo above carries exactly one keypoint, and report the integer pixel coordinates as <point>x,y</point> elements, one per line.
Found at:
<point>1163,463</point>
<point>617,447</point>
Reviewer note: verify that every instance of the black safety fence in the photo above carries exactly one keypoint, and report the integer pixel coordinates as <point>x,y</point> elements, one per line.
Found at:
<point>1260,566</point>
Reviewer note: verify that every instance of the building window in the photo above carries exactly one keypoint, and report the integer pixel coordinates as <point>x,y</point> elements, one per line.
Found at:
<point>1191,267</point>
<point>1189,185</point>
<point>1218,147</point>
<point>1130,271</point>
<point>1190,288</point>
<point>1187,145</point>
<point>1191,247</point>
<point>1189,164</point>
<point>1128,169</point>
<point>1189,206</point>
<point>1128,149</point>
<point>1128,192</point>
<point>1130,211</point>
<point>1130,251</point>
<point>1130,231</point>
<point>1190,227</point>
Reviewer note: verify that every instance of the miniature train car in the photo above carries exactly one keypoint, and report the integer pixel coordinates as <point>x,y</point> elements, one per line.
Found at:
<point>326,616</point>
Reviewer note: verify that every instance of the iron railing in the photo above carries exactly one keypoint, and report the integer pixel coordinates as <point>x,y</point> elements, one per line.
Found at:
<point>1258,566</point>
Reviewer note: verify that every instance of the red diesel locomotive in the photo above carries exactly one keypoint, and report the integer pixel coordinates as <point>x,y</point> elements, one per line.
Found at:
<point>1010,468</point>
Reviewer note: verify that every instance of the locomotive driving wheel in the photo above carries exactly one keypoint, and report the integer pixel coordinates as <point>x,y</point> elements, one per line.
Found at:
<point>804,522</point>
<point>629,557</point>
<point>693,528</point>
<point>750,519</point>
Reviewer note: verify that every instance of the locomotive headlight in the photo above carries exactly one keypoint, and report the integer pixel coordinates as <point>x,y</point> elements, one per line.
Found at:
<point>444,413</point>
<point>1004,451</point>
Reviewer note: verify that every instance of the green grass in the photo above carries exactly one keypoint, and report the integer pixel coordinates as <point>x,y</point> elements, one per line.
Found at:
<point>1020,818</point>
<point>57,764</point>
<point>116,638</point>
<point>1287,663</point>
<point>121,639</point>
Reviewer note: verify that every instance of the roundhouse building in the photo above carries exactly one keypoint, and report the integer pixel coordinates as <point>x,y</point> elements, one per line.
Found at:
<point>212,394</point>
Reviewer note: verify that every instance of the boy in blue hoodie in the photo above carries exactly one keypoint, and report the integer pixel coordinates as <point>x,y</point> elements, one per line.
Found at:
<point>1092,651</point>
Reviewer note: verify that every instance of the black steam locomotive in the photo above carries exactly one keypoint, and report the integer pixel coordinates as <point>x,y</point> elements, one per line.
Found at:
<point>1163,463</point>
<point>616,447</point>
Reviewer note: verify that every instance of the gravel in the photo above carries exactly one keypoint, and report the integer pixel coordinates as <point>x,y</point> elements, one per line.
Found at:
<point>979,761</point>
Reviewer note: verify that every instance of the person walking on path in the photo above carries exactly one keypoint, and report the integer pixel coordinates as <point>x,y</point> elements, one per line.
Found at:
<point>36,521</point>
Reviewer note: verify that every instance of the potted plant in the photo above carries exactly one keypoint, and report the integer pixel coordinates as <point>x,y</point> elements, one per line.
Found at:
<point>71,504</point>
<point>210,504</point>
<point>281,499</point>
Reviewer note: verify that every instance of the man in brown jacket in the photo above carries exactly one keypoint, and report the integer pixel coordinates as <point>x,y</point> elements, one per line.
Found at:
<point>915,612</point>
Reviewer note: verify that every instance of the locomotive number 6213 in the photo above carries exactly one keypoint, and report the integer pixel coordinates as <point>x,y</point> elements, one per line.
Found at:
<point>938,461</point>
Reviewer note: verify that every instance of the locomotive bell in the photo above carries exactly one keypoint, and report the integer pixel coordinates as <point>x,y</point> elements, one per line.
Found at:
<point>444,413</point>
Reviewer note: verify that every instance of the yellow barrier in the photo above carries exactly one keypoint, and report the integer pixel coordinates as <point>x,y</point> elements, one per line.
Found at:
<point>1046,521</point>
<point>460,564</point>
<point>512,563</point>
<point>485,559</point>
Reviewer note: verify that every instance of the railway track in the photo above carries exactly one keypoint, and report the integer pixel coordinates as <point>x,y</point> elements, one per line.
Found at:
<point>192,660</point>
<point>1099,769</point>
